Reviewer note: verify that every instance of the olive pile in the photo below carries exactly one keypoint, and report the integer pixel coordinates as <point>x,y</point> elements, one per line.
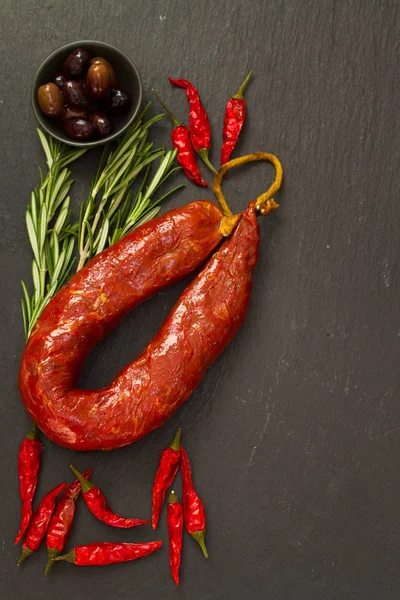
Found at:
<point>83,94</point>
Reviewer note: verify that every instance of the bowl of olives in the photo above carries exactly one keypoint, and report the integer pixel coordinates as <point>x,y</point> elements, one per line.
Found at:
<point>86,93</point>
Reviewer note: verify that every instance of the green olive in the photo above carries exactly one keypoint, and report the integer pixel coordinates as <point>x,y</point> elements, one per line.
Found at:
<point>98,81</point>
<point>51,100</point>
<point>99,60</point>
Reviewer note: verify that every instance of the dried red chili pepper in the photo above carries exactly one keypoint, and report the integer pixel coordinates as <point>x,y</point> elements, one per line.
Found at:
<point>175,531</point>
<point>200,131</point>
<point>106,553</point>
<point>97,504</point>
<point>186,154</point>
<point>167,469</point>
<point>28,469</point>
<point>40,520</point>
<point>193,508</point>
<point>235,115</point>
<point>61,521</point>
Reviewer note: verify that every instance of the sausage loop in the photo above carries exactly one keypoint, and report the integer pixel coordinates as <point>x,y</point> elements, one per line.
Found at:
<point>264,204</point>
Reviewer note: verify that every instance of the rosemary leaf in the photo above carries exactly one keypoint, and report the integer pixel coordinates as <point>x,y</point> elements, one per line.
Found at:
<point>133,174</point>
<point>62,217</point>
<point>103,236</point>
<point>33,207</point>
<point>169,173</point>
<point>116,174</point>
<point>27,300</point>
<point>126,144</point>
<point>90,239</point>
<point>50,293</point>
<point>71,156</point>
<point>58,267</point>
<point>32,235</point>
<point>42,228</point>
<point>124,212</point>
<point>147,217</point>
<point>67,273</point>
<point>61,197</point>
<point>49,258</point>
<point>56,189</point>
<point>158,176</point>
<point>25,317</point>
<point>36,281</point>
<point>171,191</point>
<point>46,148</point>
<point>41,175</point>
<point>69,245</point>
<point>116,201</point>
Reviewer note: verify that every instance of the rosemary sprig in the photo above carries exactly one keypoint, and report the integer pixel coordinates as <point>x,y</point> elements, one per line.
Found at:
<point>111,211</point>
<point>51,236</point>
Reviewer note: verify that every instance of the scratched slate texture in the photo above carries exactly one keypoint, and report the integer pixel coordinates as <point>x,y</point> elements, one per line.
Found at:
<point>294,433</point>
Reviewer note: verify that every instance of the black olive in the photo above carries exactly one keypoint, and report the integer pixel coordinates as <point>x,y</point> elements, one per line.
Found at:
<point>70,113</point>
<point>75,94</point>
<point>118,102</point>
<point>59,80</point>
<point>101,122</point>
<point>76,63</point>
<point>79,129</point>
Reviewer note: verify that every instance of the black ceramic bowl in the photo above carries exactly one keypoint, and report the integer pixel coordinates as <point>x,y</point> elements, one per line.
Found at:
<point>128,80</point>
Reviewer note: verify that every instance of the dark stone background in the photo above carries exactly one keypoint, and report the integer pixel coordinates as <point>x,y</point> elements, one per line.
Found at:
<point>294,433</point>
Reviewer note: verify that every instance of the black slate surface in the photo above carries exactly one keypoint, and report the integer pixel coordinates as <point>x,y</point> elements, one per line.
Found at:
<point>294,433</point>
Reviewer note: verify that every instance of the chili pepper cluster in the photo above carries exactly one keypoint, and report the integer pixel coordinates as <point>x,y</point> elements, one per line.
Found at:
<point>197,138</point>
<point>192,514</point>
<point>53,520</point>
<point>56,521</point>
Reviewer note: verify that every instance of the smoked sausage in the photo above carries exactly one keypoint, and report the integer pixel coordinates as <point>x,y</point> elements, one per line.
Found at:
<point>201,324</point>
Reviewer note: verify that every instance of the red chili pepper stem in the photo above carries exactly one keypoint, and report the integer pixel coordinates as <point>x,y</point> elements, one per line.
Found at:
<point>199,537</point>
<point>52,554</point>
<point>172,498</point>
<point>167,109</point>
<point>240,92</point>
<point>176,442</point>
<point>33,434</point>
<point>86,485</point>
<point>203,153</point>
<point>24,555</point>
<point>69,557</point>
